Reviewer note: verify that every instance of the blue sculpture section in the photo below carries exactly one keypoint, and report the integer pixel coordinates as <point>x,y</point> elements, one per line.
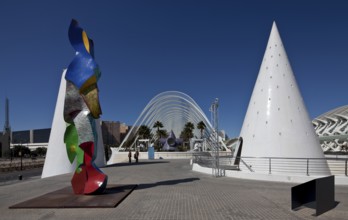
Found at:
<point>83,70</point>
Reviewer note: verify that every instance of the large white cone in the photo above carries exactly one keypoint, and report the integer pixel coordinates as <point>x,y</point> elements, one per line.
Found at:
<point>57,161</point>
<point>277,123</point>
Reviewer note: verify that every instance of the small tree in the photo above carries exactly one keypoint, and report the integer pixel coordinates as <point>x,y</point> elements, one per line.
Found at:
<point>158,125</point>
<point>190,125</point>
<point>144,132</point>
<point>201,126</point>
<point>20,148</point>
<point>187,132</point>
<point>41,151</point>
<point>162,133</point>
<point>129,142</point>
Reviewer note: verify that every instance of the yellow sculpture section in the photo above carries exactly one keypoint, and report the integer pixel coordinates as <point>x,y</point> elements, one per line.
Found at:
<point>85,41</point>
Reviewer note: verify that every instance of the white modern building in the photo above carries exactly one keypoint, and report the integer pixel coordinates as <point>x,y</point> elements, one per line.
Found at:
<point>173,109</point>
<point>332,129</point>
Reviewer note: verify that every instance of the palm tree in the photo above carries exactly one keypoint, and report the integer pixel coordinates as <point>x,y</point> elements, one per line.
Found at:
<point>201,126</point>
<point>190,126</point>
<point>187,132</point>
<point>144,132</point>
<point>158,125</point>
<point>162,133</point>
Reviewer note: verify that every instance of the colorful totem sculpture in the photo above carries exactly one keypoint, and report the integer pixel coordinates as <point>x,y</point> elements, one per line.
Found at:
<point>81,108</point>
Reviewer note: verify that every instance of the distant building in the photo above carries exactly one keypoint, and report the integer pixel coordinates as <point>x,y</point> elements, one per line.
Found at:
<point>113,132</point>
<point>5,140</point>
<point>5,136</point>
<point>19,137</point>
<point>31,138</point>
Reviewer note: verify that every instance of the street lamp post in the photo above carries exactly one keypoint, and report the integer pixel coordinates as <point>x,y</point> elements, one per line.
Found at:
<point>20,154</point>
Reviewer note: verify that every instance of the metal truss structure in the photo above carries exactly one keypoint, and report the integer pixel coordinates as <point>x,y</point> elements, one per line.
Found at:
<point>215,143</point>
<point>332,129</point>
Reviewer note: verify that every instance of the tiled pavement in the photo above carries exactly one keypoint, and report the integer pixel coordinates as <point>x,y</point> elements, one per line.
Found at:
<point>169,189</point>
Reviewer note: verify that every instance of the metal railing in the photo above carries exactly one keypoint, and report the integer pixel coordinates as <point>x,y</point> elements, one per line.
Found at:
<point>173,155</point>
<point>300,166</point>
<point>282,165</point>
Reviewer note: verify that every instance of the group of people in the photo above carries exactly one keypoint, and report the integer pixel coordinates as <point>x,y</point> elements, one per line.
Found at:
<point>136,156</point>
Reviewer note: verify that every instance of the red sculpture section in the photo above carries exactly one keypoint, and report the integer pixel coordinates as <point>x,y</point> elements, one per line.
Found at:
<point>89,179</point>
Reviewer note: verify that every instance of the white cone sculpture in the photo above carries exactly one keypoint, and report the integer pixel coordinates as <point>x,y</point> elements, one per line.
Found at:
<point>57,161</point>
<point>277,123</point>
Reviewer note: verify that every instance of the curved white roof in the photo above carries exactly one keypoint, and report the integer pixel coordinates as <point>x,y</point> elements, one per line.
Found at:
<point>339,111</point>
<point>333,122</point>
<point>174,109</point>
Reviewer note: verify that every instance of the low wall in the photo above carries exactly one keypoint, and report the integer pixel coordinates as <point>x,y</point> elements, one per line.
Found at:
<point>15,164</point>
<point>122,157</point>
<point>173,155</point>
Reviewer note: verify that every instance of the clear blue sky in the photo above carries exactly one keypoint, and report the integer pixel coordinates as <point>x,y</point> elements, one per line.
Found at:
<point>206,49</point>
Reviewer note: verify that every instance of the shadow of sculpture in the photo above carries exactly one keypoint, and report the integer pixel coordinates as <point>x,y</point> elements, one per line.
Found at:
<point>135,164</point>
<point>166,183</point>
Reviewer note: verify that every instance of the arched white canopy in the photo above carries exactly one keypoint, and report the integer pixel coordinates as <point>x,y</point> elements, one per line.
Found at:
<point>174,109</point>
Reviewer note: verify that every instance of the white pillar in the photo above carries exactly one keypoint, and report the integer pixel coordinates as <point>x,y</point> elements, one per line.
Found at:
<point>57,161</point>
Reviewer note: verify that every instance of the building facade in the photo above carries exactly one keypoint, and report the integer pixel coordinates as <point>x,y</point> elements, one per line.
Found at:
<point>5,140</point>
<point>113,132</point>
<point>332,129</point>
<point>31,136</point>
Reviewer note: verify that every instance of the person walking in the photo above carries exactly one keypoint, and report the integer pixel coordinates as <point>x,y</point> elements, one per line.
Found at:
<point>136,156</point>
<point>130,156</point>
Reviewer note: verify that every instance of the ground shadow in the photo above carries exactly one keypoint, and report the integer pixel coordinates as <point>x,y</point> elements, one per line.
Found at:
<point>135,164</point>
<point>166,183</point>
<point>112,189</point>
<point>312,205</point>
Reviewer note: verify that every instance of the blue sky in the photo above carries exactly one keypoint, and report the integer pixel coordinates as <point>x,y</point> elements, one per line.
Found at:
<point>206,49</point>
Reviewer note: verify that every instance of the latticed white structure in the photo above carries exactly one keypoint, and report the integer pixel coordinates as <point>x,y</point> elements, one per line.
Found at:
<point>174,109</point>
<point>277,123</point>
<point>332,129</point>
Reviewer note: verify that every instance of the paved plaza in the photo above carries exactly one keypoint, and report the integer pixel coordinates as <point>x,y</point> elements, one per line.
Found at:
<point>169,189</point>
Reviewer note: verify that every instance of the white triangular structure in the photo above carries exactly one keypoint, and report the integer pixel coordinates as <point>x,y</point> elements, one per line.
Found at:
<point>277,123</point>
<point>57,162</point>
<point>100,160</point>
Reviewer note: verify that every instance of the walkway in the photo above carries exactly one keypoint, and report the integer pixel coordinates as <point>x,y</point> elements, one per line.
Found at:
<point>169,189</point>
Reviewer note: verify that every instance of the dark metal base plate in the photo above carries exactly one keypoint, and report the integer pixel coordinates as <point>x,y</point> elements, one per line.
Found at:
<point>65,198</point>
